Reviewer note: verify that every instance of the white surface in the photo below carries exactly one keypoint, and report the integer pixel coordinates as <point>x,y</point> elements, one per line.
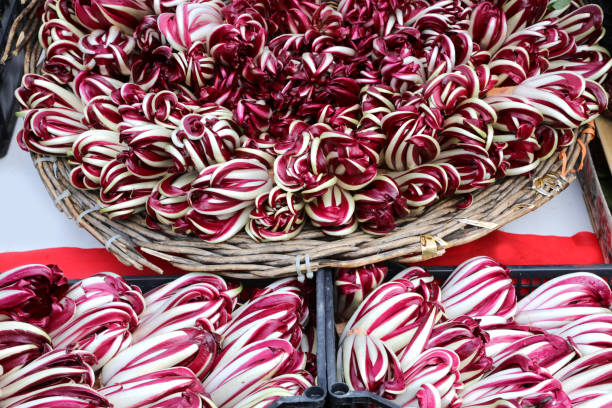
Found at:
<point>28,212</point>
<point>563,216</point>
<point>34,222</point>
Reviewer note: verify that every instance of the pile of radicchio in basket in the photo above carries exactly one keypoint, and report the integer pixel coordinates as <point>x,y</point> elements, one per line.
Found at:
<point>261,114</point>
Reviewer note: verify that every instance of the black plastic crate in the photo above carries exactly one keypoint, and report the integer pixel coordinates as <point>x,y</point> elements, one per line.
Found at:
<point>606,6</point>
<point>526,278</point>
<point>9,10</point>
<point>10,75</point>
<point>314,397</point>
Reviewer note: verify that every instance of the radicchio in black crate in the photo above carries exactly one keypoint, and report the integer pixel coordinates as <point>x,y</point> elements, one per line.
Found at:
<point>196,340</point>
<point>522,281</point>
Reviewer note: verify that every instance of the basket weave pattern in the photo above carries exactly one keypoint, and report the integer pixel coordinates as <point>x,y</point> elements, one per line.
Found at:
<point>426,233</point>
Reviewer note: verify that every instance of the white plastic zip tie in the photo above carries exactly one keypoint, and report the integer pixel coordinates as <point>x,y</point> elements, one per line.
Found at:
<point>110,241</point>
<point>84,213</point>
<point>50,159</point>
<point>300,275</point>
<point>309,273</point>
<point>60,197</point>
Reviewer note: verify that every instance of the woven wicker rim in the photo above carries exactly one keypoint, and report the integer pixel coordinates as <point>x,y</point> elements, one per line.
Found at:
<point>427,233</point>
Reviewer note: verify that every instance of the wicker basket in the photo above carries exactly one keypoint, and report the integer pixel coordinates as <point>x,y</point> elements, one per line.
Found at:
<point>425,234</point>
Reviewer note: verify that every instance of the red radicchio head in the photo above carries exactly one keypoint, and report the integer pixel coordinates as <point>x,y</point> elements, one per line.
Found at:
<point>378,206</point>
<point>31,293</point>
<point>108,51</point>
<point>278,215</point>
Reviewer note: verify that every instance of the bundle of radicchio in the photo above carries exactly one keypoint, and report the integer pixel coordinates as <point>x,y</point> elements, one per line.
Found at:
<point>358,111</point>
<point>433,376</point>
<point>171,387</point>
<point>588,334</point>
<point>266,348</point>
<point>398,315</point>
<point>463,336</point>
<point>286,385</point>
<point>588,378</point>
<point>58,396</point>
<point>479,287</point>
<point>565,299</point>
<point>100,313</point>
<point>366,363</point>
<point>194,348</point>
<point>60,366</point>
<point>192,300</point>
<point>239,372</point>
<point>21,343</point>
<point>518,380</point>
<point>274,315</point>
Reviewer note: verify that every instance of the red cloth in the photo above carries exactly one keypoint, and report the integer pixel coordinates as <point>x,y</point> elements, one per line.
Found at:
<point>509,249</point>
<point>79,262</point>
<point>519,249</point>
